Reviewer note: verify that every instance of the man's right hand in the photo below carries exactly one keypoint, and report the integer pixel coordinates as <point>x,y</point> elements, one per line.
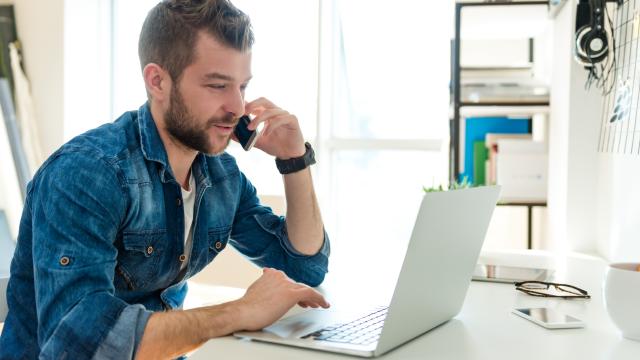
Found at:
<point>271,296</point>
<point>173,333</point>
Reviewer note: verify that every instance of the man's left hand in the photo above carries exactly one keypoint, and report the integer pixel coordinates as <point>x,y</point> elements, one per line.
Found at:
<point>281,135</point>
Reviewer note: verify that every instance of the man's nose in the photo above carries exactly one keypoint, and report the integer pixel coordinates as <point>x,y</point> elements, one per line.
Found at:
<point>234,103</point>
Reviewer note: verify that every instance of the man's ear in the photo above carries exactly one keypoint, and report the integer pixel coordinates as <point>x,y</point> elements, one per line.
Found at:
<point>157,82</point>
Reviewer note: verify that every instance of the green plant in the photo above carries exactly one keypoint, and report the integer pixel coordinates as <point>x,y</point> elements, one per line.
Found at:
<point>464,184</point>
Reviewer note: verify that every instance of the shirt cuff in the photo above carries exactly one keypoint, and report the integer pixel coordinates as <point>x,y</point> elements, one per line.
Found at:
<point>123,339</point>
<point>289,248</point>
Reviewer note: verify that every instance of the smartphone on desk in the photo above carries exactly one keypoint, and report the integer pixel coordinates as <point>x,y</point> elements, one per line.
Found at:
<point>549,318</point>
<point>246,137</point>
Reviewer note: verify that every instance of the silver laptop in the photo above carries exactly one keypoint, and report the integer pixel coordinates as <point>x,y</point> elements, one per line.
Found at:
<point>431,287</point>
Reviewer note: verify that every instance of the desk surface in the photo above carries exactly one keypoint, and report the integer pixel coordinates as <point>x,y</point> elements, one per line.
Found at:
<point>485,327</point>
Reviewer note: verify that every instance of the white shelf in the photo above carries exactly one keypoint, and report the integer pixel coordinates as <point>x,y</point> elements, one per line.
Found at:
<point>505,110</point>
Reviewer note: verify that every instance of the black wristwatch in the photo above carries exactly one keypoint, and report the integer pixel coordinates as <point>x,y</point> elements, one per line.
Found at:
<point>296,164</point>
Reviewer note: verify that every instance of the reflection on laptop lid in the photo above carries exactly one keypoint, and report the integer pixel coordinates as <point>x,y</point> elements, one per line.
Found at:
<point>430,290</point>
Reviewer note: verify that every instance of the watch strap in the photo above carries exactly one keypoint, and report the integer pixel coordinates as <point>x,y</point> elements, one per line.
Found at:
<point>299,163</point>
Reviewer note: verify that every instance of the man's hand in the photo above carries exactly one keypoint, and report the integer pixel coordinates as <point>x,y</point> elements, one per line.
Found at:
<point>271,296</point>
<point>174,333</point>
<point>281,135</point>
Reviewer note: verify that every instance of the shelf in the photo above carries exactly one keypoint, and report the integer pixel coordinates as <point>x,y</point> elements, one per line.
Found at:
<point>509,110</point>
<point>513,202</point>
<point>513,103</point>
<point>506,2</point>
<point>523,67</point>
<point>518,72</point>
<point>503,94</point>
<point>502,91</point>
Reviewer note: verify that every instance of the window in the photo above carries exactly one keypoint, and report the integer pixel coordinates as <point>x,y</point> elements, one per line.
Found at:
<point>384,122</point>
<point>368,82</point>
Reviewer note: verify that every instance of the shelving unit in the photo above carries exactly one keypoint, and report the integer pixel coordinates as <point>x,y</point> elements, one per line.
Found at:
<point>490,108</point>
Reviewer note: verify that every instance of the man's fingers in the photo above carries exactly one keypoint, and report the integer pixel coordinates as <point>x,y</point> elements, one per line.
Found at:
<point>303,304</point>
<point>266,115</point>
<point>276,122</point>
<point>259,103</point>
<point>311,296</point>
<point>303,295</point>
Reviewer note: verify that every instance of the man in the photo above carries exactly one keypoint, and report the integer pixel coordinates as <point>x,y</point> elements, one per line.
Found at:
<point>120,217</point>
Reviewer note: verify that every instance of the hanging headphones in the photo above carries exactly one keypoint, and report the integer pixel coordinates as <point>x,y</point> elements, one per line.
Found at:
<point>592,44</point>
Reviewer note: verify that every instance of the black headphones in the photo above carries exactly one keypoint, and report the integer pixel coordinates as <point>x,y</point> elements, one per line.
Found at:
<point>592,44</point>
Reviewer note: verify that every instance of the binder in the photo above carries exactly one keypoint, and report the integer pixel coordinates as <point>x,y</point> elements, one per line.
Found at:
<point>476,128</point>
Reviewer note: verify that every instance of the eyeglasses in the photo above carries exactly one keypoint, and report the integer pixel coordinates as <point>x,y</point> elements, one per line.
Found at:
<point>544,289</point>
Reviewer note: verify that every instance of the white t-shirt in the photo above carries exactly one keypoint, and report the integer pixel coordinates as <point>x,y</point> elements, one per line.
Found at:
<point>188,200</point>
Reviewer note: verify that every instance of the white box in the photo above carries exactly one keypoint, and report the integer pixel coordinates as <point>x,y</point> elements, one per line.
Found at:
<point>521,169</point>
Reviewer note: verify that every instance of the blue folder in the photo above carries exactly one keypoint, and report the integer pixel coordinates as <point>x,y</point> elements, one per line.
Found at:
<point>476,128</point>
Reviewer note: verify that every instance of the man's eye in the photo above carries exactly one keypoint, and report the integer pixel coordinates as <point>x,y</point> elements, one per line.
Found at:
<point>216,86</point>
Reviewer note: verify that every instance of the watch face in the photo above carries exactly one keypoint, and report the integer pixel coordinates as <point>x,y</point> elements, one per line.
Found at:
<point>309,155</point>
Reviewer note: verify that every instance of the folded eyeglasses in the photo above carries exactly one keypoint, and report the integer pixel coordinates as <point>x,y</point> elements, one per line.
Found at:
<point>549,289</point>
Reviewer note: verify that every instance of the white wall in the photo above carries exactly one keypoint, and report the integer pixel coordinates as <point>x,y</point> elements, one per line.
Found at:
<point>558,132</point>
<point>66,56</point>
<point>575,121</point>
<point>87,66</point>
<point>618,196</point>
<point>40,28</point>
<point>594,197</point>
<point>39,25</point>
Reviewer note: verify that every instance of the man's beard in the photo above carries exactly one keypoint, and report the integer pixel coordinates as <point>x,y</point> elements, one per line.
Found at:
<point>183,126</point>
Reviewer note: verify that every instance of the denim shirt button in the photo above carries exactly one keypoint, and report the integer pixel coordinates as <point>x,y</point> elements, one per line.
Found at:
<point>178,202</point>
<point>64,261</point>
<point>218,245</point>
<point>182,258</point>
<point>150,250</point>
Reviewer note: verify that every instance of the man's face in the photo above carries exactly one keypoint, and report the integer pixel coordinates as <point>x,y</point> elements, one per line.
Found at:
<point>208,99</point>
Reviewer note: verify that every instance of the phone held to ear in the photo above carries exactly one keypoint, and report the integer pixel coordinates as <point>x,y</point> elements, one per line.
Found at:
<point>549,318</point>
<point>246,137</point>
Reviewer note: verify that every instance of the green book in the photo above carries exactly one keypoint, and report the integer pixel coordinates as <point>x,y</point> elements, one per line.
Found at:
<point>480,156</point>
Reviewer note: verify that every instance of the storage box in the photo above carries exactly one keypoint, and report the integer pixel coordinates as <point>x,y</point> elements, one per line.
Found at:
<point>521,169</point>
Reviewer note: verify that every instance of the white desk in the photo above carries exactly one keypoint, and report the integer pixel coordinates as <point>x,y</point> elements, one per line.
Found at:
<point>485,327</point>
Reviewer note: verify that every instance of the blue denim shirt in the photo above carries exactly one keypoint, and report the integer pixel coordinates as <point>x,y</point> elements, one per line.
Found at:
<point>101,237</point>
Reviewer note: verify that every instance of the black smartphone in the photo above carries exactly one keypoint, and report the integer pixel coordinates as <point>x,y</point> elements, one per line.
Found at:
<point>246,137</point>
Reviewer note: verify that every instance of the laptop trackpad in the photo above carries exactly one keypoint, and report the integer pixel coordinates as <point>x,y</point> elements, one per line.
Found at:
<point>309,321</point>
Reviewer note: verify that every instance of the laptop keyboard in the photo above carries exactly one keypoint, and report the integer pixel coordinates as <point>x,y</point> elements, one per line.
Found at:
<point>362,331</point>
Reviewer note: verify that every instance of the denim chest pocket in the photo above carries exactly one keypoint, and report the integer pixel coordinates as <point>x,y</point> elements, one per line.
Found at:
<point>139,261</point>
<point>218,240</point>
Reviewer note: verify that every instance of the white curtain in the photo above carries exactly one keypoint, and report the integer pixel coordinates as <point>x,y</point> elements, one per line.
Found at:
<point>25,113</point>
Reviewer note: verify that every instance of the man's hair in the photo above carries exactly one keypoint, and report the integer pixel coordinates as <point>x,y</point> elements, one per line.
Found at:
<point>170,31</point>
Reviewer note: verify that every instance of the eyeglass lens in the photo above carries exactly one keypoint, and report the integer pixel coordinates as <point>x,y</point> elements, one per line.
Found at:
<point>550,289</point>
<point>534,286</point>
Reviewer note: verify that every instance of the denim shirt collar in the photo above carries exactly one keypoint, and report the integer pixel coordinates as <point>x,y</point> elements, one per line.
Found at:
<point>150,141</point>
<point>153,149</point>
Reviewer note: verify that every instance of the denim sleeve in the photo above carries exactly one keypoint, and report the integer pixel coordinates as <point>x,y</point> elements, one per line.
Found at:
<point>122,342</point>
<point>77,207</point>
<point>262,237</point>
